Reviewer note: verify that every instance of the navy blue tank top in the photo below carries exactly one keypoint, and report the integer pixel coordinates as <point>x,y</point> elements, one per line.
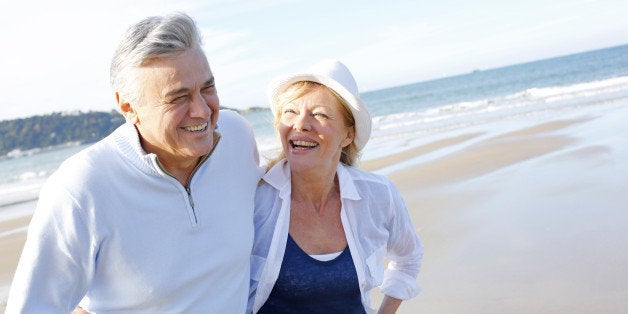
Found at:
<point>307,285</point>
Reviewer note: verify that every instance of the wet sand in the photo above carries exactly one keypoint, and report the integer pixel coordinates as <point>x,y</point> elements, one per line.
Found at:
<point>13,235</point>
<point>532,220</point>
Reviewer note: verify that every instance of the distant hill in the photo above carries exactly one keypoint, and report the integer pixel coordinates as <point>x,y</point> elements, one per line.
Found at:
<point>60,128</point>
<point>56,129</point>
<point>250,110</point>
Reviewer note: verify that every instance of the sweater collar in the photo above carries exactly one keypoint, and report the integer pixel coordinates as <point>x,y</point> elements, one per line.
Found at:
<point>128,142</point>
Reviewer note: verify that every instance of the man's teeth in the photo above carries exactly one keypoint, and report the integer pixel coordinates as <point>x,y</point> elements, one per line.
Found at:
<point>196,128</point>
<point>304,143</point>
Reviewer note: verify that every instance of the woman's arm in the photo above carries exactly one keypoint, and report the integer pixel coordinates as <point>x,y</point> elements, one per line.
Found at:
<point>389,305</point>
<point>404,252</point>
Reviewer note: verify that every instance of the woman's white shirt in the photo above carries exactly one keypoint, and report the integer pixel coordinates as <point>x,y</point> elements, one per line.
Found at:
<point>376,224</point>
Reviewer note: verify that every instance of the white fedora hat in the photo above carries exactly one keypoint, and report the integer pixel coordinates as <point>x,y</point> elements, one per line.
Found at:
<point>336,76</point>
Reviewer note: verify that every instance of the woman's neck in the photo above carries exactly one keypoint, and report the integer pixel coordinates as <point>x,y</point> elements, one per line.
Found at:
<point>314,187</point>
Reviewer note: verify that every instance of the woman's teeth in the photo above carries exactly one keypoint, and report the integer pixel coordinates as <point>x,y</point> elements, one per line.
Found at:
<point>303,144</point>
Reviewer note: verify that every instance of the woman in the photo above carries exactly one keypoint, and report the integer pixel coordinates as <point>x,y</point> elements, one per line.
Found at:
<point>322,226</point>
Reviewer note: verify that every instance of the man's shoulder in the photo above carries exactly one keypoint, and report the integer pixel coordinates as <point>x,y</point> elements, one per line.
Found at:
<point>230,117</point>
<point>234,125</point>
<point>90,160</point>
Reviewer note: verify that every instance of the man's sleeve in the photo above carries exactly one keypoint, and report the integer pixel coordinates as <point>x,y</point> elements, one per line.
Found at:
<point>57,262</point>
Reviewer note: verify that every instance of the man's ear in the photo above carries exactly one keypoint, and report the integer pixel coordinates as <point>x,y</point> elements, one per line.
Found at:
<point>126,109</point>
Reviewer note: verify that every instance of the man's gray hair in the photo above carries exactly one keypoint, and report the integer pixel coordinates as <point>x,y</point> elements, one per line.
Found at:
<point>152,37</point>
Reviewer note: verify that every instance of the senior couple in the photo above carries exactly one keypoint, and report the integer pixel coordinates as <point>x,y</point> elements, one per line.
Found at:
<point>168,213</point>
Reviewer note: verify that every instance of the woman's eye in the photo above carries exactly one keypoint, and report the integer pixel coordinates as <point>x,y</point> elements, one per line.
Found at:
<point>289,111</point>
<point>320,115</point>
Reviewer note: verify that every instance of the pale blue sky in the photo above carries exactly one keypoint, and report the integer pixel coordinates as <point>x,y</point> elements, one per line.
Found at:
<point>56,54</point>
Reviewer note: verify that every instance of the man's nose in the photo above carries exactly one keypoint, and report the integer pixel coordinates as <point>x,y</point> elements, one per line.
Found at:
<point>199,108</point>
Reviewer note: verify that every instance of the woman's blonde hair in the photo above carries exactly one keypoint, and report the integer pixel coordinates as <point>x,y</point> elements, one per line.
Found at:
<point>350,153</point>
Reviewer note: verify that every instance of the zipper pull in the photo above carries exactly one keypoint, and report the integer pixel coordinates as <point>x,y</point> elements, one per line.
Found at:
<point>187,189</point>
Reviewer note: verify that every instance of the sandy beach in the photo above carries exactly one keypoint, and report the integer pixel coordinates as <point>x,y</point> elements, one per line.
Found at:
<point>527,217</point>
<point>12,237</point>
<point>532,220</point>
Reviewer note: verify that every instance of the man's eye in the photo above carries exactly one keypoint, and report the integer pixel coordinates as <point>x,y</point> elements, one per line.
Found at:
<point>179,100</point>
<point>208,89</point>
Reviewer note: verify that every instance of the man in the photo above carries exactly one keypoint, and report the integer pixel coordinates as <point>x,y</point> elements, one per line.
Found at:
<point>158,216</point>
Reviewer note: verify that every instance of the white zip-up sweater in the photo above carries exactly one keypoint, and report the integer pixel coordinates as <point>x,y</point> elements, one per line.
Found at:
<point>117,233</point>
<point>376,224</point>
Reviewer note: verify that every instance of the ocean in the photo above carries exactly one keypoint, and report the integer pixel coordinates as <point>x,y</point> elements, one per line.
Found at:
<point>403,115</point>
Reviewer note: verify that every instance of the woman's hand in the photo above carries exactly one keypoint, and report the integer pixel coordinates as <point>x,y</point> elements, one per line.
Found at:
<point>79,310</point>
<point>389,305</point>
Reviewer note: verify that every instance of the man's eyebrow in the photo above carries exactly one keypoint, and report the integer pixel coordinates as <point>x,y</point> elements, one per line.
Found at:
<point>210,81</point>
<point>175,92</point>
<point>184,90</point>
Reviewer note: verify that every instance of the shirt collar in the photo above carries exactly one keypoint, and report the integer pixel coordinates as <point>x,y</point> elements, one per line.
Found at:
<point>348,189</point>
<point>279,178</point>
